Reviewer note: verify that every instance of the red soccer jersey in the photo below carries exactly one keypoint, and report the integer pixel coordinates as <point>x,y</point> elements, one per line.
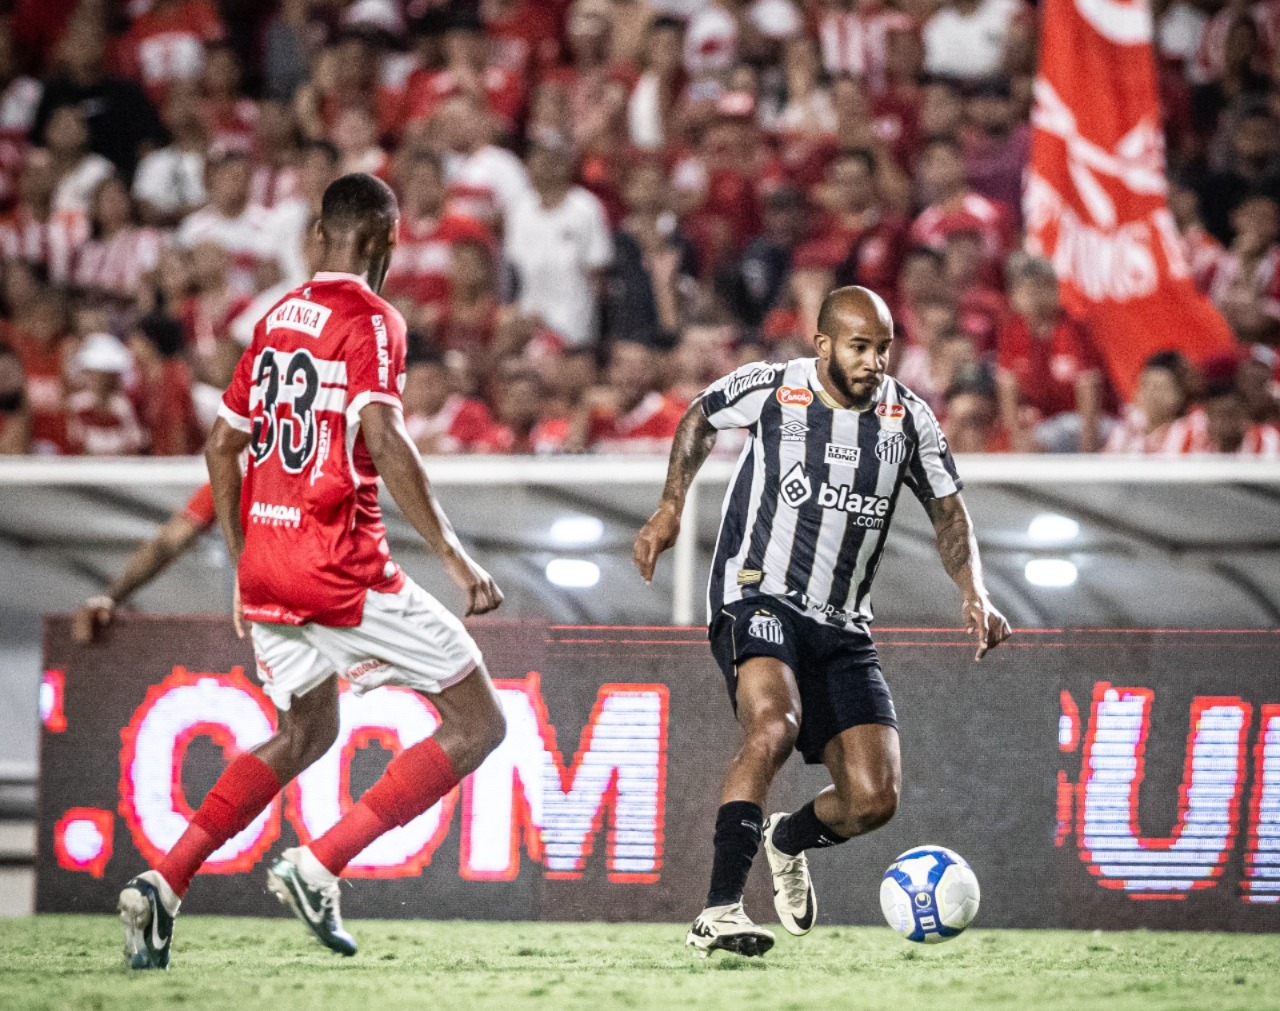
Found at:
<point>314,540</point>
<point>199,508</point>
<point>1047,369</point>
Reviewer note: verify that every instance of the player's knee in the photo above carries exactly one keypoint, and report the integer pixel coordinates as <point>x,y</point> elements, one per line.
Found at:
<point>868,806</point>
<point>772,736</point>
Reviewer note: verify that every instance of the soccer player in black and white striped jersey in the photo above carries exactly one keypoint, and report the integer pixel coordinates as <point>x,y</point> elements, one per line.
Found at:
<point>833,440</point>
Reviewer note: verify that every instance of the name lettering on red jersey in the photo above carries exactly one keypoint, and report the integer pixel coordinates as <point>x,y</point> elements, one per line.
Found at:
<point>384,356</point>
<point>297,314</point>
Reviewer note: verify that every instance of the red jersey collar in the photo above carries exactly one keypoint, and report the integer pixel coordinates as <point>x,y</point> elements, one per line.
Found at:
<point>338,275</point>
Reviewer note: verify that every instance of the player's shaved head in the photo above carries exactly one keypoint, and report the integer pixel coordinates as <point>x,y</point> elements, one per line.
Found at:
<point>359,217</point>
<point>358,202</point>
<point>853,307</point>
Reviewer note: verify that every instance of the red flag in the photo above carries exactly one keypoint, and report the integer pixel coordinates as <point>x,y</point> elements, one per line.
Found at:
<point>1096,191</point>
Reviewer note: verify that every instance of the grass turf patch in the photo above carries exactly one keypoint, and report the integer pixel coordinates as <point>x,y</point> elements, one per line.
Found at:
<point>224,962</point>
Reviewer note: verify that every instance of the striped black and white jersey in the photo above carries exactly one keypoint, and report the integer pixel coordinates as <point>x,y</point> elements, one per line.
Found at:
<point>810,502</point>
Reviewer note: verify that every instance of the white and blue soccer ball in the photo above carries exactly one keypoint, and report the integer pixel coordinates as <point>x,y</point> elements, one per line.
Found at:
<point>929,894</point>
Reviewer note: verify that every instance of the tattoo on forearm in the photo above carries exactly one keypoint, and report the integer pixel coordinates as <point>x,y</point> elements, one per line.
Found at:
<point>957,546</point>
<point>693,441</point>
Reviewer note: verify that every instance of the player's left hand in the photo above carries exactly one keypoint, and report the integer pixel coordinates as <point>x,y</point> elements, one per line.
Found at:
<point>482,592</point>
<point>985,622</point>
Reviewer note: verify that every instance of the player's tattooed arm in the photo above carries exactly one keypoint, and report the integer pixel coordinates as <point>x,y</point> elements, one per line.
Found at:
<point>222,455</point>
<point>398,464</point>
<point>958,549</point>
<point>693,441</point>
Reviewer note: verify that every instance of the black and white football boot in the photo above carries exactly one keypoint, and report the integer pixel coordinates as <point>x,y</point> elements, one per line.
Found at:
<point>147,907</point>
<point>315,903</point>
<point>793,894</point>
<point>728,928</point>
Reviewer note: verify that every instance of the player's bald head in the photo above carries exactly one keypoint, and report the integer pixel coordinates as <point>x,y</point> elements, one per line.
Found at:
<point>358,202</point>
<point>853,308</point>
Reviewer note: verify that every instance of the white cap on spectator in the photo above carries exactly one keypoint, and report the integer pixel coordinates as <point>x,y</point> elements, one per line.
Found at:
<point>380,14</point>
<point>101,352</point>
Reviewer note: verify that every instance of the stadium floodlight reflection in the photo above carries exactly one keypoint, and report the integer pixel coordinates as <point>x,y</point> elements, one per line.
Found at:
<point>573,573</point>
<point>576,531</point>
<point>1052,528</point>
<point>1054,573</point>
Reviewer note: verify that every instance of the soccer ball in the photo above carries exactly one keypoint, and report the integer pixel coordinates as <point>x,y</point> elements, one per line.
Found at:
<point>929,894</point>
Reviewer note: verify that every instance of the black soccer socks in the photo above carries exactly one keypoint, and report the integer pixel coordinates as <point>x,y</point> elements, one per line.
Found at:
<point>802,831</point>
<point>738,825</point>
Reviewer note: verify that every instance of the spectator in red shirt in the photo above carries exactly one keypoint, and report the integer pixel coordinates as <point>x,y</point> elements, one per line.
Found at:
<point>465,73</point>
<point>939,348</point>
<point>1221,424</point>
<point>860,239</point>
<point>971,422</point>
<point>996,146</point>
<point>628,415</point>
<point>1147,425</point>
<point>1202,251</point>
<point>522,35</point>
<point>1051,380</point>
<point>422,260</point>
<point>980,305</point>
<point>231,117</point>
<point>523,424</point>
<point>163,394</point>
<point>440,418</point>
<point>1245,285</point>
<point>15,414</point>
<point>920,276</point>
<point>40,337</point>
<point>28,233</point>
<point>206,318</point>
<point>167,44</point>
<point>951,205</point>
<point>100,419</point>
<point>113,264</point>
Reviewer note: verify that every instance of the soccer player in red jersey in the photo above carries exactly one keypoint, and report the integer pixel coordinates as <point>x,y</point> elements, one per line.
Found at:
<point>316,402</point>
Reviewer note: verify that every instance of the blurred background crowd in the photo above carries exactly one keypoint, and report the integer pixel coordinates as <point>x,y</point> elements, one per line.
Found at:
<point>606,205</point>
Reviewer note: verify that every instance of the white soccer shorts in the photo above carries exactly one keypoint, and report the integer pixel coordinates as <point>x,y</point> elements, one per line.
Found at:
<point>406,638</point>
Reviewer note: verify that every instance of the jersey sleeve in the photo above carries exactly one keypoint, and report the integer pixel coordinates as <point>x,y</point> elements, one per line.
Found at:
<point>736,400</point>
<point>375,360</point>
<point>234,409</point>
<point>931,471</point>
<point>199,508</point>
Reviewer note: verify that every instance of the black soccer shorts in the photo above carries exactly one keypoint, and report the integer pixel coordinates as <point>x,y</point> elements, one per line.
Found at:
<point>837,670</point>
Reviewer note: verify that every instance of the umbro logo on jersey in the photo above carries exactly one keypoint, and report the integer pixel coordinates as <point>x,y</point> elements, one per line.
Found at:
<point>794,396</point>
<point>796,488</point>
<point>298,314</point>
<point>766,627</point>
<point>847,456</point>
<point>793,431</point>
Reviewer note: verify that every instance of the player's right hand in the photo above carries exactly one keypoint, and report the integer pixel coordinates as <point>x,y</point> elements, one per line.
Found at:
<point>94,615</point>
<point>654,538</point>
<point>481,591</point>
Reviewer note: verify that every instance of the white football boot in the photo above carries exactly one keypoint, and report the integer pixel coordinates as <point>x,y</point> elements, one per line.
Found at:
<point>728,928</point>
<point>147,908</point>
<point>793,894</point>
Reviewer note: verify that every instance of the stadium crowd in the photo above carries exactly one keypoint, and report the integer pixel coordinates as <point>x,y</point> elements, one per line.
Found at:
<point>606,204</point>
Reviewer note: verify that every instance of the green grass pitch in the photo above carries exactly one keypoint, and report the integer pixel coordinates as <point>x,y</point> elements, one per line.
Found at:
<point>222,962</point>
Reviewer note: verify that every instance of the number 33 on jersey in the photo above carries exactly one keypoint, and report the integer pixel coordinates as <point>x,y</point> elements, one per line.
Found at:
<point>314,537</point>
